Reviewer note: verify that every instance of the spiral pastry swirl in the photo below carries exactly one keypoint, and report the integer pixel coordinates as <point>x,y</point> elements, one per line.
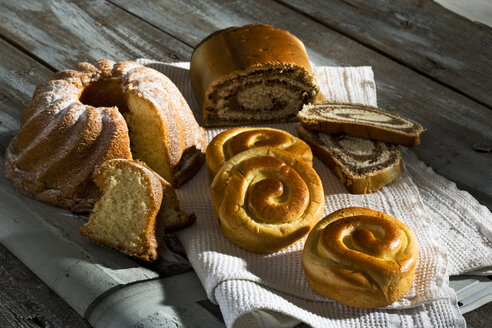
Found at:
<point>233,141</point>
<point>360,257</point>
<point>266,198</point>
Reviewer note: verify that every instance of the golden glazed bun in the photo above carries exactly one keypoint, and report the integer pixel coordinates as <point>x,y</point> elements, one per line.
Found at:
<point>233,141</point>
<point>85,116</point>
<point>251,74</point>
<point>265,199</point>
<point>136,208</point>
<point>360,257</point>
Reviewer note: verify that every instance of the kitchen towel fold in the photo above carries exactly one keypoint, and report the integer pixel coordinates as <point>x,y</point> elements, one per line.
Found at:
<point>258,290</point>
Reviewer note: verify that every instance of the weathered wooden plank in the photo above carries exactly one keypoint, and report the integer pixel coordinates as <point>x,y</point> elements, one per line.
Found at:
<point>25,301</point>
<point>19,76</point>
<point>479,317</point>
<point>20,305</point>
<point>454,122</point>
<point>420,34</point>
<point>62,33</point>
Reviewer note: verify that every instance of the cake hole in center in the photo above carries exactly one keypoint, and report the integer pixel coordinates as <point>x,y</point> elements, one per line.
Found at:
<point>104,94</point>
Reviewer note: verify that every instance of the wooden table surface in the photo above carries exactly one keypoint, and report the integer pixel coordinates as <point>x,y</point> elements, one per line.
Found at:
<point>429,64</point>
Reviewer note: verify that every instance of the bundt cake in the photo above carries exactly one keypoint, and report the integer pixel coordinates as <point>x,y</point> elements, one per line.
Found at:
<point>251,74</point>
<point>136,207</point>
<point>83,117</point>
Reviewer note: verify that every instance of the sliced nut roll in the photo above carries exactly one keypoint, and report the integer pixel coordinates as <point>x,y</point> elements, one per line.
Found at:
<point>362,165</point>
<point>361,121</point>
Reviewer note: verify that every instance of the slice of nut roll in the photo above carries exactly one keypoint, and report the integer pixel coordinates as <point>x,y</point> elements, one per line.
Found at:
<point>362,165</point>
<point>361,121</point>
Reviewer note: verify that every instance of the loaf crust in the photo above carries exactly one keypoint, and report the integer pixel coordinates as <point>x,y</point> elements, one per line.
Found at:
<point>356,181</point>
<point>233,141</point>
<point>265,199</point>
<point>252,55</point>
<point>360,257</point>
<point>361,121</point>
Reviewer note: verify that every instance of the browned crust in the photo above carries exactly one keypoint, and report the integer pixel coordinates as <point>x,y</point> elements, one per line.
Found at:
<point>185,221</point>
<point>184,173</point>
<point>239,50</point>
<point>178,127</point>
<point>216,155</point>
<point>355,184</point>
<point>171,200</point>
<point>211,123</point>
<point>157,222</point>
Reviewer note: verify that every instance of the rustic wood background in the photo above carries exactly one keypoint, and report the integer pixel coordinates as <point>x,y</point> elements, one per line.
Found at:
<point>429,64</point>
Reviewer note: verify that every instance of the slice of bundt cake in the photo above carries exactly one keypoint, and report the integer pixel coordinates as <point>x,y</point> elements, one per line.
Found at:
<point>136,207</point>
<point>251,74</point>
<point>83,117</point>
<point>163,131</point>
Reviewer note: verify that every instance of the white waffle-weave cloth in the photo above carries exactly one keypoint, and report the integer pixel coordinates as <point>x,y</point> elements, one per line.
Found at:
<point>255,290</point>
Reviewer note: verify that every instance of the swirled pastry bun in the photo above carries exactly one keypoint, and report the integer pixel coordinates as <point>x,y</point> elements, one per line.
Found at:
<point>233,141</point>
<point>265,199</point>
<point>360,257</point>
<point>251,74</point>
